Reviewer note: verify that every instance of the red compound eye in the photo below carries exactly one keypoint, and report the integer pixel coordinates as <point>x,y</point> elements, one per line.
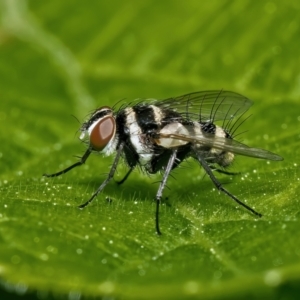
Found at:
<point>102,133</point>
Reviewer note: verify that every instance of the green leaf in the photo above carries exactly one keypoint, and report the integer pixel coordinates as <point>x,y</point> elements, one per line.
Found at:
<point>64,58</point>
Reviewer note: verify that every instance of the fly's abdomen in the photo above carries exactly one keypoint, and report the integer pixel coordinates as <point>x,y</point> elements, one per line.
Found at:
<point>212,137</point>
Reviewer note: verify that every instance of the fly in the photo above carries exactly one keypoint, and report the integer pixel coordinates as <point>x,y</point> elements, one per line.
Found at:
<point>158,135</point>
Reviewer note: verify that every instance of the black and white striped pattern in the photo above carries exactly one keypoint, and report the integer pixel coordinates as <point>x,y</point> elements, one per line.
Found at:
<point>158,135</point>
<point>139,125</point>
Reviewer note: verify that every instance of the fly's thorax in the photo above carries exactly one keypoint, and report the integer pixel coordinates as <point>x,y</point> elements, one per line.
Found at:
<point>136,132</point>
<point>101,131</point>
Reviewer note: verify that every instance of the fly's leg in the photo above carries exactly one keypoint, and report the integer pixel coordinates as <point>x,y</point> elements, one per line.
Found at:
<point>219,186</point>
<point>109,177</point>
<point>125,177</point>
<point>162,186</point>
<point>213,168</point>
<point>79,163</point>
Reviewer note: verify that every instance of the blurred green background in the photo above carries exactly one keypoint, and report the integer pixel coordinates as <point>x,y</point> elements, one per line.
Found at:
<point>64,58</point>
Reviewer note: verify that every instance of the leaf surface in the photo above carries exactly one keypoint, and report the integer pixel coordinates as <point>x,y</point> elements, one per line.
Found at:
<point>58,59</point>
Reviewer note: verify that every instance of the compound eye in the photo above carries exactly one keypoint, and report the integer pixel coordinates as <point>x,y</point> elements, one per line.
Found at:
<point>102,133</point>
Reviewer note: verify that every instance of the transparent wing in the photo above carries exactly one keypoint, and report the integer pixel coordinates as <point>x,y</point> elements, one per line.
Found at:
<point>211,105</point>
<point>225,144</point>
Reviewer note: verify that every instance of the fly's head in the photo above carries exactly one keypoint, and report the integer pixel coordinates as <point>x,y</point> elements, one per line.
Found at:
<point>100,130</point>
